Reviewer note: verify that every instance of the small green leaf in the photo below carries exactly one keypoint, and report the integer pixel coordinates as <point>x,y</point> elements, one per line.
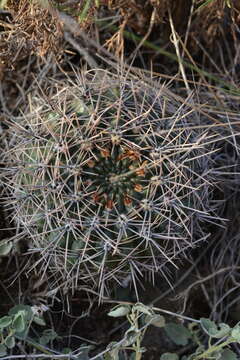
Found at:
<point>26,308</point>
<point>19,321</point>
<point>228,354</point>
<point>6,248</point>
<point>235,333</point>
<point>169,356</point>
<point>39,321</point>
<point>178,333</point>
<point>223,331</point>
<point>130,336</point>
<point>143,309</point>
<point>113,351</point>
<point>155,320</point>
<point>5,321</point>
<point>119,310</point>
<point>23,335</point>
<point>47,336</point>
<point>208,326</point>
<point>3,350</point>
<point>212,330</point>
<point>10,341</point>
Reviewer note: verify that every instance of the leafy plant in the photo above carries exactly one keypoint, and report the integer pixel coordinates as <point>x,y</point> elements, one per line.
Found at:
<point>220,337</point>
<point>109,178</point>
<point>16,332</point>
<point>16,325</point>
<point>141,316</point>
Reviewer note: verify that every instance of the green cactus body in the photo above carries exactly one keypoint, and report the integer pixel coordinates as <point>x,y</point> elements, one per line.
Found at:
<point>111,180</point>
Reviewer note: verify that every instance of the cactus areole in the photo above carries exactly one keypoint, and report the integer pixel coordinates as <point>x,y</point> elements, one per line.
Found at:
<point>110,179</point>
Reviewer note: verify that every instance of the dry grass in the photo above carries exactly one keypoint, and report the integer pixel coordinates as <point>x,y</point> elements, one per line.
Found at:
<point>32,30</point>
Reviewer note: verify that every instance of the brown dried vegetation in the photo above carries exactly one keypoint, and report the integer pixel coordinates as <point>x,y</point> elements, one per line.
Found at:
<point>31,30</point>
<point>215,21</point>
<point>203,22</point>
<point>35,29</point>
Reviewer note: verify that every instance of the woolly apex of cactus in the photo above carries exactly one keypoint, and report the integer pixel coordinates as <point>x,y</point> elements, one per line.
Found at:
<point>109,179</point>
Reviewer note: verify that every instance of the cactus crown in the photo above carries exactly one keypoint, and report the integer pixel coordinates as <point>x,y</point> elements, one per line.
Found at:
<point>109,179</point>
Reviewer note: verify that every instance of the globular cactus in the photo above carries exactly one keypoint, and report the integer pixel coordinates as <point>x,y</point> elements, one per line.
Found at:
<point>109,177</point>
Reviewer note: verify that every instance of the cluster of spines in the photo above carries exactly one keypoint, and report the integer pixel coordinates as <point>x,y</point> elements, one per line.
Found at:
<point>110,181</point>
